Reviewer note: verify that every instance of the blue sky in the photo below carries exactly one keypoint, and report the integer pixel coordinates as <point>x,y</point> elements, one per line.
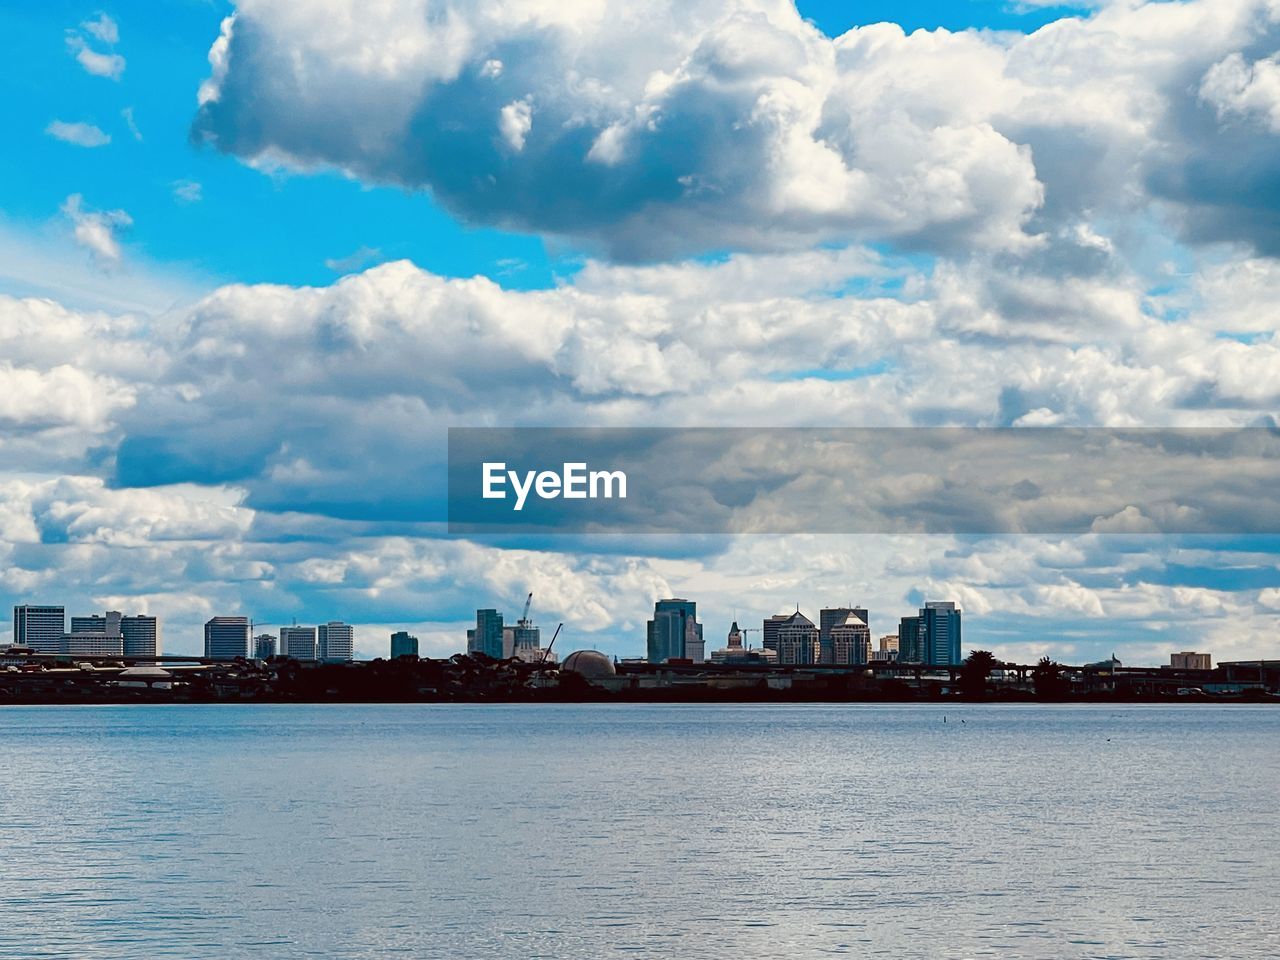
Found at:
<point>725,221</point>
<point>248,226</point>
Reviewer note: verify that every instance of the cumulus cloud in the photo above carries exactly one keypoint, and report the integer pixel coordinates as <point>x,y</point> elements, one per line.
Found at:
<point>80,134</point>
<point>279,450</point>
<point>96,230</point>
<point>665,128</point>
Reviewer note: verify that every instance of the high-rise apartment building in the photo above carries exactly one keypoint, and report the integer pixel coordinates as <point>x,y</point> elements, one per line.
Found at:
<point>298,643</point>
<point>674,632</point>
<point>226,638</point>
<point>39,627</point>
<point>403,645</point>
<point>336,641</point>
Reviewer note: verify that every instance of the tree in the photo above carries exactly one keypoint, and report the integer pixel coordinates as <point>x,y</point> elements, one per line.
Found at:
<point>975,672</point>
<point>1048,680</point>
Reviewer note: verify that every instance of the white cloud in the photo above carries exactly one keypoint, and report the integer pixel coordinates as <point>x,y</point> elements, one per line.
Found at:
<point>103,28</point>
<point>515,121</point>
<point>1237,88</point>
<point>101,64</point>
<point>80,134</point>
<point>187,191</point>
<point>96,230</point>
<point>131,123</point>
<point>109,65</point>
<point>664,128</point>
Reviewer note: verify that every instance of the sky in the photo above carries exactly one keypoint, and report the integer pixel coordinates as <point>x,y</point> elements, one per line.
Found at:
<point>255,259</point>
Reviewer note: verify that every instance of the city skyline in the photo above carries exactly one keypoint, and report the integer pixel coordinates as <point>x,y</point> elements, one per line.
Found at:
<point>930,638</point>
<point>979,215</point>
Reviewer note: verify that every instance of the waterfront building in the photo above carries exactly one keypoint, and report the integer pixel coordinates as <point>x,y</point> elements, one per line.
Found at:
<point>336,642</point>
<point>940,634</point>
<point>850,641</point>
<point>226,638</point>
<point>403,645</point>
<point>1188,660</point>
<point>909,648</point>
<point>674,632</point>
<point>264,646</point>
<point>39,627</point>
<point>828,618</point>
<point>140,636</point>
<point>798,640</point>
<point>298,643</point>
<point>487,636</point>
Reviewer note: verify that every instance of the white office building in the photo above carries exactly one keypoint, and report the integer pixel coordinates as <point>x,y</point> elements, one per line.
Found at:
<point>298,642</point>
<point>95,636</point>
<point>336,641</point>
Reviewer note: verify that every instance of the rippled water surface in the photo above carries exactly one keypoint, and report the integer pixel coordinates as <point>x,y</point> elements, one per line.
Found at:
<point>667,831</point>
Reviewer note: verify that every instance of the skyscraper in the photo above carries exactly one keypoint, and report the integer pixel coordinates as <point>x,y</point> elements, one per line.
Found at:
<point>851,641</point>
<point>798,640</point>
<point>336,641</point>
<point>487,638</point>
<point>827,619</point>
<point>940,634</point>
<point>140,635</point>
<point>403,645</point>
<point>674,632</point>
<point>909,648</point>
<point>226,638</point>
<point>298,643</point>
<point>40,628</point>
<point>769,632</point>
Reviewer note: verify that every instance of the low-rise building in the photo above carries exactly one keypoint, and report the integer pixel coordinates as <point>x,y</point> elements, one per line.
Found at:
<point>1187,660</point>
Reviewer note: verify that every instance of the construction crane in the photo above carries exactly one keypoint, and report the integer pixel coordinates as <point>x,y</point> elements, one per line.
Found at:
<point>547,652</point>
<point>524,620</point>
